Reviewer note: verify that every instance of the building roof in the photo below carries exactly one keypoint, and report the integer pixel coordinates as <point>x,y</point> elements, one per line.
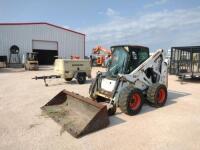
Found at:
<point>42,23</point>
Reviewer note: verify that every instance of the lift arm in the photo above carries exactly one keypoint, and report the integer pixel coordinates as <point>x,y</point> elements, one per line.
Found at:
<point>154,65</point>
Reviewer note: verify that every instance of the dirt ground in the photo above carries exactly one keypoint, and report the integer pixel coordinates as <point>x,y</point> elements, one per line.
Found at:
<point>22,127</point>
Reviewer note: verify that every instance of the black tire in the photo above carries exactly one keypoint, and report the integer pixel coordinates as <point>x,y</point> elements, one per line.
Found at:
<point>68,79</point>
<point>157,95</point>
<point>112,110</point>
<point>131,100</point>
<point>81,78</point>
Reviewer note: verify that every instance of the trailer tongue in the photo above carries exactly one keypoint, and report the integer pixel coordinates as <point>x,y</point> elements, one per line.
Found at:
<point>76,114</point>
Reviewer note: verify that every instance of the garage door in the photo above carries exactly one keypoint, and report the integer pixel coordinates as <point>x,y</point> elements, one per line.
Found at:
<point>47,51</point>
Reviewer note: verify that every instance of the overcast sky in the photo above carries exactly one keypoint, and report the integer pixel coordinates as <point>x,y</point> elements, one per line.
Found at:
<point>153,23</point>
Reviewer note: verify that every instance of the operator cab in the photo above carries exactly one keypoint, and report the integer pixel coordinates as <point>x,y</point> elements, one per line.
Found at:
<point>126,58</point>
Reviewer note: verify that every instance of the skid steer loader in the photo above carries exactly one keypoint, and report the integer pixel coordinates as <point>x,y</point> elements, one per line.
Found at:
<point>131,79</point>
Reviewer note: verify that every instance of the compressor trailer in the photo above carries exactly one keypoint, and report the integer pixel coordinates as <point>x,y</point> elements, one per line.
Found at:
<point>69,69</point>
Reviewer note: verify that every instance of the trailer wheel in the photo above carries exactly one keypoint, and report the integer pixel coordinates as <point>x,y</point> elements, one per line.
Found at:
<point>131,100</point>
<point>81,78</point>
<point>157,95</point>
<point>68,79</point>
<point>112,110</point>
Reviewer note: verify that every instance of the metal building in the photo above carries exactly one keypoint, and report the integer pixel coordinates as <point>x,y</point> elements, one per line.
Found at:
<point>46,39</point>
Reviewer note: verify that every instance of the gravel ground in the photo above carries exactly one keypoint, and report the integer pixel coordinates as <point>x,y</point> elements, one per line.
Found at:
<point>22,127</point>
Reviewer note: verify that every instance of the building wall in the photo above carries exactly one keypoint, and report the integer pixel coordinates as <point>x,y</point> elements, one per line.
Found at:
<point>69,43</point>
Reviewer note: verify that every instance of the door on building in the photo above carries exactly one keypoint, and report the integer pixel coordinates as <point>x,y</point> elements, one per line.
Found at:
<point>46,51</point>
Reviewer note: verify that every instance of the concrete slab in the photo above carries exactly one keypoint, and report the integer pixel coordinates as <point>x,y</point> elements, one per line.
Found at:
<point>22,127</point>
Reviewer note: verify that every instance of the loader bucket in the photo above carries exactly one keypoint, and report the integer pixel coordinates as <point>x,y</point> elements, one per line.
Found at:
<point>76,114</point>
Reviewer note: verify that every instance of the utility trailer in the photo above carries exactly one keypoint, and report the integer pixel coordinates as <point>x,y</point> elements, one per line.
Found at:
<point>185,61</point>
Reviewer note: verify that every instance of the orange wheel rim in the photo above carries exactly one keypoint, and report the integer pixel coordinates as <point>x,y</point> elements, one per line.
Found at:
<point>135,101</point>
<point>161,96</point>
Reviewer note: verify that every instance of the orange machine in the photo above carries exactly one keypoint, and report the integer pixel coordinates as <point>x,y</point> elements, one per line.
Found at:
<point>99,54</point>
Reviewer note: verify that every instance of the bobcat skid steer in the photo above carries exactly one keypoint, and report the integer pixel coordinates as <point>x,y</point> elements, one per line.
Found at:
<point>131,79</point>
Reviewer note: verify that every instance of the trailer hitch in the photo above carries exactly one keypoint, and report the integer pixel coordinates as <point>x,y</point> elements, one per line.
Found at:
<point>46,77</point>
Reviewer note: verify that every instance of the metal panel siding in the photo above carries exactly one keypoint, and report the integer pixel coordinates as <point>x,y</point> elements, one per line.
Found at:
<point>45,45</point>
<point>69,43</point>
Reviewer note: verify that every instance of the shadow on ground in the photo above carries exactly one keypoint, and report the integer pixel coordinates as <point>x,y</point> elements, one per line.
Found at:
<point>21,69</point>
<point>45,67</point>
<point>173,96</point>
<point>11,70</point>
<point>114,120</point>
<point>189,80</point>
<point>73,82</point>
